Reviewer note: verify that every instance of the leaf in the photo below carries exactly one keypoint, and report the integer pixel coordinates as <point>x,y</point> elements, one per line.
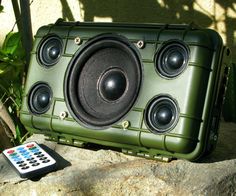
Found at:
<point>4,67</point>
<point>10,43</point>
<point>3,57</point>
<point>12,46</point>
<point>1,8</point>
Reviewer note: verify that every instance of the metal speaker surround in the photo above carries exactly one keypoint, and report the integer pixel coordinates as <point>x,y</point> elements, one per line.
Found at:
<point>103,80</point>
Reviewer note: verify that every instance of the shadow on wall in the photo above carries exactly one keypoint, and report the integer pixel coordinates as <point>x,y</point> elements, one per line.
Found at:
<point>147,11</point>
<point>154,11</point>
<point>230,24</point>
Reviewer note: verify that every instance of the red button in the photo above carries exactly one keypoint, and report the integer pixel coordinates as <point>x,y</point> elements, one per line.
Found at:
<point>10,151</point>
<point>29,145</point>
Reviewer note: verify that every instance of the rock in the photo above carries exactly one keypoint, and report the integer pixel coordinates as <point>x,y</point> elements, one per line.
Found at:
<point>107,172</point>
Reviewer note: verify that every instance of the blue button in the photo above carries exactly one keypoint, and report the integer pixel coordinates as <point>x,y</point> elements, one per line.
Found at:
<point>22,151</point>
<point>35,150</point>
<point>27,156</point>
<point>17,159</point>
<point>25,153</point>
<point>20,148</point>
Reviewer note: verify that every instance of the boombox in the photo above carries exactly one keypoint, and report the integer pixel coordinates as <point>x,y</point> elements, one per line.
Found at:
<point>150,90</point>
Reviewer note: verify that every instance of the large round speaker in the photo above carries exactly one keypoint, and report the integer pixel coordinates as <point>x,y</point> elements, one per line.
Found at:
<point>172,58</point>
<point>39,98</point>
<point>49,50</point>
<point>102,81</point>
<point>161,114</point>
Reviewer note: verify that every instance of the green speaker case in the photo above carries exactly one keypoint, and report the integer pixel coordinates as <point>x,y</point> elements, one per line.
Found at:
<point>199,91</point>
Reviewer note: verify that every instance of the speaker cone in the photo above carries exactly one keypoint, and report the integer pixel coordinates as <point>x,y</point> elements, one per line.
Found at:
<point>50,50</point>
<point>161,114</point>
<point>39,98</point>
<point>103,80</point>
<point>171,59</point>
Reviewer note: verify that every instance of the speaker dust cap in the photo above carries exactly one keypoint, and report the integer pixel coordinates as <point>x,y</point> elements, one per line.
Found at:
<point>102,81</point>
<point>172,58</point>
<point>49,50</point>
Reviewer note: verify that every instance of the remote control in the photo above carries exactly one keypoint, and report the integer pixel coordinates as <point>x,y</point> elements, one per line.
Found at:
<point>29,160</point>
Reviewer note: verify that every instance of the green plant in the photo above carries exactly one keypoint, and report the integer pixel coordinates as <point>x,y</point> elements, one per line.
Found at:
<point>12,63</point>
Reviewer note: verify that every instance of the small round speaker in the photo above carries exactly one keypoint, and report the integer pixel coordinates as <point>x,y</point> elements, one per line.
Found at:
<point>161,114</point>
<point>39,98</point>
<point>102,81</point>
<point>49,50</point>
<point>172,58</point>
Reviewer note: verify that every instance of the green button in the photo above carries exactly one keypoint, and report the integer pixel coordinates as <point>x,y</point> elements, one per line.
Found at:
<point>32,148</point>
<point>13,154</point>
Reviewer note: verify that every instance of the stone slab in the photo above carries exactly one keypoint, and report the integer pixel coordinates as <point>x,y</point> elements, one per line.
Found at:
<point>107,172</point>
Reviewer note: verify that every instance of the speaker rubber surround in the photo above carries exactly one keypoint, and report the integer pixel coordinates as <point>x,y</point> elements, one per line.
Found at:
<point>161,114</point>
<point>103,80</point>
<point>49,50</point>
<point>40,92</point>
<point>172,58</point>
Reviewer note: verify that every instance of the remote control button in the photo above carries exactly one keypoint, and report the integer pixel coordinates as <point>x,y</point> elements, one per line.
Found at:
<point>17,159</point>
<point>35,150</point>
<point>46,161</point>
<point>37,153</point>
<point>22,151</point>
<point>40,155</point>
<point>35,164</point>
<point>14,154</point>
<point>27,156</point>
<point>33,161</point>
<point>25,153</point>
<point>26,167</point>
<point>30,159</point>
<point>10,151</point>
<point>29,145</point>
<point>19,162</point>
<point>43,158</point>
<point>23,164</point>
<point>32,148</point>
<point>20,148</point>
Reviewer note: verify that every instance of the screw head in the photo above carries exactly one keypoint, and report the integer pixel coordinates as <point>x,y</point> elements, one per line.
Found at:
<point>63,115</point>
<point>125,124</point>
<point>77,40</point>
<point>140,44</point>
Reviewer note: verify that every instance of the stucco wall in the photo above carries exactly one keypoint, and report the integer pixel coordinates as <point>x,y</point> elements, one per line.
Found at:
<point>217,14</point>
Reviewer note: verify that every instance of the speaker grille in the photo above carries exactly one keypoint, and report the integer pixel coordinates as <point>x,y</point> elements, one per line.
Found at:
<point>172,58</point>
<point>103,80</point>
<point>161,114</point>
